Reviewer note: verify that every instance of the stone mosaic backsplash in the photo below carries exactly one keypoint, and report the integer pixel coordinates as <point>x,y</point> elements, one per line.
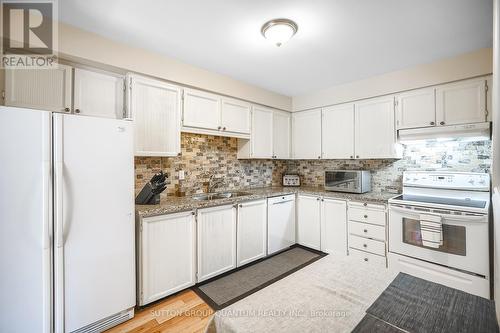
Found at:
<point>431,155</point>
<point>203,155</point>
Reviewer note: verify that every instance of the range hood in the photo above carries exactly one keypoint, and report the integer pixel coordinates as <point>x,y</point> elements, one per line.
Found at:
<point>481,131</point>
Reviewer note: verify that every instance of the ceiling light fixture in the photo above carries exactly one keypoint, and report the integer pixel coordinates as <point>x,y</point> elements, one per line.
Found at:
<point>279,31</point>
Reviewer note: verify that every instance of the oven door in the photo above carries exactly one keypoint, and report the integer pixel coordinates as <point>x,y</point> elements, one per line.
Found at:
<point>464,245</point>
<point>344,181</point>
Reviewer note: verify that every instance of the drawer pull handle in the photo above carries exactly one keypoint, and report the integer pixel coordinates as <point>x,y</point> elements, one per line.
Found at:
<point>365,246</point>
<point>365,204</point>
<point>366,216</point>
<point>365,230</point>
<point>366,259</point>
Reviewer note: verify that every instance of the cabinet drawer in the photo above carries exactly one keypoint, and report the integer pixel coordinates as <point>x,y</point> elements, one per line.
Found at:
<point>367,215</point>
<point>367,258</point>
<point>367,230</point>
<point>368,245</point>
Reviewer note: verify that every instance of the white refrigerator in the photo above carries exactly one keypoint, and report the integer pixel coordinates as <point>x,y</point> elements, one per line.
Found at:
<point>66,222</point>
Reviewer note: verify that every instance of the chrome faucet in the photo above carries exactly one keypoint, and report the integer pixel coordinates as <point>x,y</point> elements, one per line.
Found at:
<point>213,183</point>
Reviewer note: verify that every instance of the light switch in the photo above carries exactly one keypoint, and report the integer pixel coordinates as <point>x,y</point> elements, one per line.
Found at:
<point>181,175</point>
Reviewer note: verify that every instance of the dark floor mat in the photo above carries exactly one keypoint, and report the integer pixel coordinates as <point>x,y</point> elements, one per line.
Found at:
<point>223,291</point>
<point>417,305</point>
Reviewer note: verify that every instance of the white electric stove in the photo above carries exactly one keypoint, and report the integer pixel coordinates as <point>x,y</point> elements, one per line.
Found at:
<point>439,229</point>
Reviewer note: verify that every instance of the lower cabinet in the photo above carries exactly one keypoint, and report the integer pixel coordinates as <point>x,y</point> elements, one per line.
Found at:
<point>216,241</point>
<point>166,253</point>
<point>334,226</point>
<point>251,236</point>
<point>322,224</point>
<point>309,221</point>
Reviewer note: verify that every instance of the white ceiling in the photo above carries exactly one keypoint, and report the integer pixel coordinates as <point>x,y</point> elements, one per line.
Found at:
<point>338,41</point>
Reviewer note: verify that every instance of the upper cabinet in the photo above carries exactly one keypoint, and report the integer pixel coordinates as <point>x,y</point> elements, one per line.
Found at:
<point>270,136</point>
<point>416,108</point>
<point>92,93</point>
<point>462,102</point>
<point>207,113</point>
<point>201,110</point>
<point>281,134</point>
<point>235,116</point>
<point>44,89</point>
<point>375,129</point>
<point>306,134</point>
<point>338,132</point>
<point>456,103</point>
<point>155,107</point>
<point>262,132</point>
<point>98,94</point>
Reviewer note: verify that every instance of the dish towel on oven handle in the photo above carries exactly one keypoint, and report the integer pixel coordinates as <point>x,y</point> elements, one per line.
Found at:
<point>431,230</point>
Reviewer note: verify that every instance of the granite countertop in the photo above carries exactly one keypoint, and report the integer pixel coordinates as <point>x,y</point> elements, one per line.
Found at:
<point>180,204</point>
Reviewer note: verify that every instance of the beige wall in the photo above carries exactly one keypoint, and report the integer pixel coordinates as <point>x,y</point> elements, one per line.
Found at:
<point>465,66</point>
<point>79,45</point>
<point>496,147</point>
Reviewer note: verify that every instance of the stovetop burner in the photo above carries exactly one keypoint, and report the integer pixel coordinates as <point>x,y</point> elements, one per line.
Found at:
<point>443,201</point>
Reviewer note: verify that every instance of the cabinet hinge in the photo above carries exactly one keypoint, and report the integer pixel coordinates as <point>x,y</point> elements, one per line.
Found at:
<point>486,89</point>
<point>3,94</point>
<point>130,83</point>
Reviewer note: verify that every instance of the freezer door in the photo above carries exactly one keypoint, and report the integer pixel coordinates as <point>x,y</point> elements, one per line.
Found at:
<point>94,220</point>
<point>25,220</point>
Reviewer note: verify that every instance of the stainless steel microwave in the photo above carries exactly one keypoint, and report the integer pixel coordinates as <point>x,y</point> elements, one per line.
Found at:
<point>353,181</point>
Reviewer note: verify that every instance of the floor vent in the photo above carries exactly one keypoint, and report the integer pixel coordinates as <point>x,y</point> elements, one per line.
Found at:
<point>107,323</point>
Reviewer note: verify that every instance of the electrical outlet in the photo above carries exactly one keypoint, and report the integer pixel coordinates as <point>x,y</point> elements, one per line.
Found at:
<point>181,175</point>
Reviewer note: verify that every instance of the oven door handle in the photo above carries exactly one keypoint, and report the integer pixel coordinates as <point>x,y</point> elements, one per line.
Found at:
<point>461,218</point>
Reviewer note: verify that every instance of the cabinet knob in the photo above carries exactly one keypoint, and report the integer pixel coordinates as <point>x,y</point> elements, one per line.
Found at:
<point>241,205</point>
<point>223,128</point>
<point>77,110</point>
<point>364,245</point>
<point>432,123</point>
<point>365,204</point>
<point>219,128</point>
<point>66,109</point>
<point>366,259</point>
<point>365,230</point>
<point>352,156</point>
<point>366,216</point>
<point>319,157</point>
<point>442,123</point>
<point>318,199</point>
<point>357,156</point>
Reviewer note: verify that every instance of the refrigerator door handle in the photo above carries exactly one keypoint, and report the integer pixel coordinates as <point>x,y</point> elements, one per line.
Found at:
<point>46,205</point>
<point>59,205</point>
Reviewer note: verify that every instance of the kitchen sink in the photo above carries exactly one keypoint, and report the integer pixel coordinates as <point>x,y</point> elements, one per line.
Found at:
<point>220,195</point>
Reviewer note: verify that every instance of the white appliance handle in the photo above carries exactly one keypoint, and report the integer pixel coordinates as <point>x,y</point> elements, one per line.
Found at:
<point>59,205</point>
<point>461,218</point>
<point>281,202</point>
<point>46,205</point>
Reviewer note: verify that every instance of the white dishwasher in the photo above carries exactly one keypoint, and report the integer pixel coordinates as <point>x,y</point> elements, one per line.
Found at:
<point>280,223</point>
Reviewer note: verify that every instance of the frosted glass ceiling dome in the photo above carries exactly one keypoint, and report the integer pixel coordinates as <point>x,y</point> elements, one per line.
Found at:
<point>279,31</point>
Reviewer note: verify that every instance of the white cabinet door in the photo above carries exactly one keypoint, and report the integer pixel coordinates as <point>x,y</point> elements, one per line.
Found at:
<point>155,107</point>
<point>252,225</point>
<point>235,116</point>
<point>280,223</point>
<point>334,226</point>
<point>201,110</point>
<point>416,108</point>
<point>262,132</point>
<point>216,241</point>
<point>375,128</point>
<point>309,221</point>
<point>167,255</point>
<point>281,134</point>
<point>338,132</point>
<point>44,89</point>
<point>461,103</point>
<point>306,134</point>
<point>98,94</point>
